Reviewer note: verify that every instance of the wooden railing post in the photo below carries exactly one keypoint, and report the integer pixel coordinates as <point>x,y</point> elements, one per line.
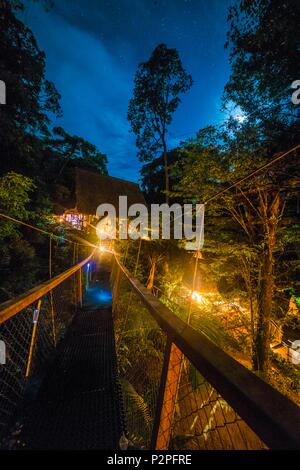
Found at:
<point>116,289</point>
<point>170,378</point>
<point>35,319</point>
<point>80,287</point>
<point>273,417</point>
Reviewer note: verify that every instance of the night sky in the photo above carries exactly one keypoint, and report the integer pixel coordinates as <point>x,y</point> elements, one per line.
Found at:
<point>93,48</point>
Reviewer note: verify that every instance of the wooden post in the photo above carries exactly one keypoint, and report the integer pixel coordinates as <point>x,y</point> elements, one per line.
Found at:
<point>51,293</point>
<point>137,258</point>
<point>116,289</point>
<point>36,313</point>
<point>80,287</point>
<point>52,318</point>
<point>126,253</point>
<point>167,397</point>
<point>170,382</point>
<point>112,272</point>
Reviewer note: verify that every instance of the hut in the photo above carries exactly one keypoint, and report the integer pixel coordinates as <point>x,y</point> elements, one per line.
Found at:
<point>91,189</point>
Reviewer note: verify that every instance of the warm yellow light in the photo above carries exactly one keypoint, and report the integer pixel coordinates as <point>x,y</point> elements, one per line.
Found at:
<point>198,297</point>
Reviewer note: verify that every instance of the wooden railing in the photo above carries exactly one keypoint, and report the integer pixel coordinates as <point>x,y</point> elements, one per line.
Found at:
<point>272,416</point>
<point>11,307</point>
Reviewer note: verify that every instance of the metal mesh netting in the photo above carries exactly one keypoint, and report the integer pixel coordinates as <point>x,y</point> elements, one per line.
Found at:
<point>140,346</point>
<point>202,419</point>
<point>193,416</point>
<point>57,308</point>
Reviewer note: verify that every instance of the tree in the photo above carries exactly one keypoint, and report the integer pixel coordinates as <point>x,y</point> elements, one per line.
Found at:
<point>76,151</point>
<point>244,226</point>
<point>28,146</point>
<point>157,86</point>
<point>14,198</point>
<point>263,41</point>
<point>30,97</point>
<point>153,176</point>
<point>264,53</point>
<point>15,192</point>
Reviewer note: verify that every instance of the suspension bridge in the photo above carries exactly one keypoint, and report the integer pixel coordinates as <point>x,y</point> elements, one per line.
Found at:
<point>94,360</point>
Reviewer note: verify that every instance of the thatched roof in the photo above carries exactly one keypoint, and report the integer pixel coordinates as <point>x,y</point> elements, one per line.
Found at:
<point>93,189</point>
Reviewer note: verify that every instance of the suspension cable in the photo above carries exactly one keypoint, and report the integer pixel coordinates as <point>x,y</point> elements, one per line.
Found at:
<point>45,232</point>
<point>252,173</point>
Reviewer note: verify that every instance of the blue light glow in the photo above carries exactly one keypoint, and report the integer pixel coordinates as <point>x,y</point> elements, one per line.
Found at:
<point>98,297</point>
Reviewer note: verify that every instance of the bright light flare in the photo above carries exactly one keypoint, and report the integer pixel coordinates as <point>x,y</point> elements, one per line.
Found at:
<point>197,297</point>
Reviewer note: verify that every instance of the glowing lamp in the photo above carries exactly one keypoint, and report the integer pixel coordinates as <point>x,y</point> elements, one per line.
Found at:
<point>197,297</point>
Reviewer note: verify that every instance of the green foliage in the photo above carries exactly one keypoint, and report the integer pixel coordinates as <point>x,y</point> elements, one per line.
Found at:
<point>36,161</point>
<point>195,379</point>
<point>14,194</point>
<point>14,199</point>
<point>292,322</point>
<point>140,346</point>
<point>285,376</point>
<point>136,403</point>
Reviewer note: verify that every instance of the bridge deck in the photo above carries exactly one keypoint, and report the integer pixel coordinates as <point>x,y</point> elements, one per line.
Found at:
<point>78,405</point>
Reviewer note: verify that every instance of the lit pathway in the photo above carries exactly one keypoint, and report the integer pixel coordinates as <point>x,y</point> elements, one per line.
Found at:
<point>78,405</point>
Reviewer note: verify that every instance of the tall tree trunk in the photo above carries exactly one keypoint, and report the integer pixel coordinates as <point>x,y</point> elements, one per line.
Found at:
<point>264,308</point>
<point>246,272</point>
<point>167,180</point>
<point>270,214</point>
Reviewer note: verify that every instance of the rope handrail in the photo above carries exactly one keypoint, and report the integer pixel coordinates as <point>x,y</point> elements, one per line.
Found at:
<point>274,418</point>
<point>13,306</point>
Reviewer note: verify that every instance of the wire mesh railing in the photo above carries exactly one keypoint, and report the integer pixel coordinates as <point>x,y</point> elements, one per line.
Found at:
<point>181,391</point>
<point>30,328</point>
<point>202,419</point>
<point>140,348</point>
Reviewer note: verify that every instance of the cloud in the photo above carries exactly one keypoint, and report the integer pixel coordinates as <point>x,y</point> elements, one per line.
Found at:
<point>92,52</point>
<point>95,88</point>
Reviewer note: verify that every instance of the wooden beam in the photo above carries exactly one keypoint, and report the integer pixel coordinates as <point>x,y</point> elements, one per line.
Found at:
<point>169,391</point>
<point>11,307</point>
<point>271,415</point>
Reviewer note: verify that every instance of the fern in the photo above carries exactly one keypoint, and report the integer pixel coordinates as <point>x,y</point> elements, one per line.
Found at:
<point>135,403</point>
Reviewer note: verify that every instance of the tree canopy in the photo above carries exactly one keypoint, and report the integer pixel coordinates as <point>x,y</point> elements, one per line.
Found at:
<point>158,84</point>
